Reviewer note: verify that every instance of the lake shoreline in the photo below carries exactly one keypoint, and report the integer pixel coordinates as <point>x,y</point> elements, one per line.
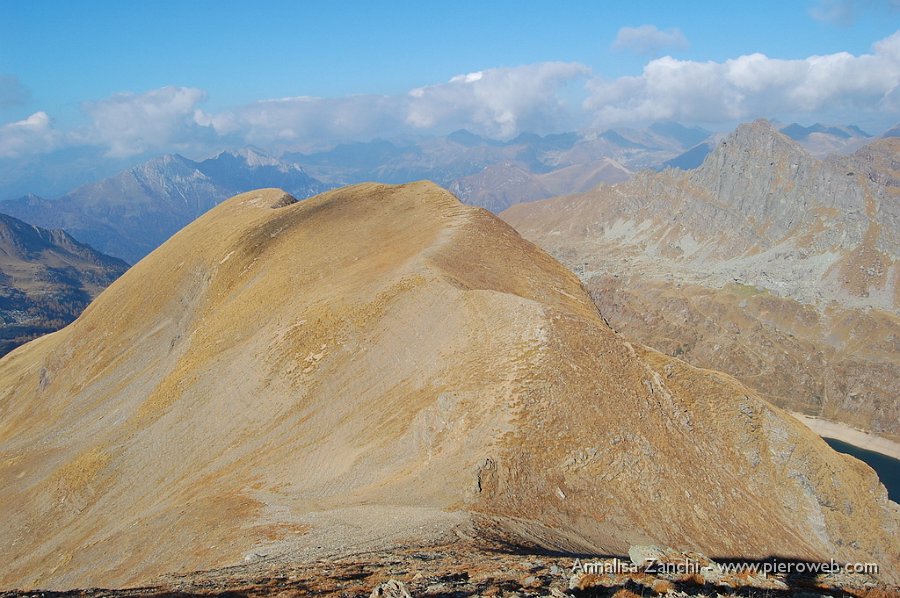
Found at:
<point>845,433</point>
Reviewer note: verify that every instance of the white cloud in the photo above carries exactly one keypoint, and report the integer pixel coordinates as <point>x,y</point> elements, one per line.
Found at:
<point>649,40</point>
<point>752,86</point>
<point>32,135</point>
<point>303,120</point>
<point>129,123</point>
<point>498,102</point>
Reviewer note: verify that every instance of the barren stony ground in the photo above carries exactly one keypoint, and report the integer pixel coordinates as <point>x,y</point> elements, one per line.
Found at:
<point>492,569</point>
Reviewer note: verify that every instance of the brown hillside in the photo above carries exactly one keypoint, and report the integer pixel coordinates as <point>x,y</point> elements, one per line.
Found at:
<point>381,365</point>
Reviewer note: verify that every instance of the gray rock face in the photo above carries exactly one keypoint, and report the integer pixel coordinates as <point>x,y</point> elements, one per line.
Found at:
<point>769,181</point>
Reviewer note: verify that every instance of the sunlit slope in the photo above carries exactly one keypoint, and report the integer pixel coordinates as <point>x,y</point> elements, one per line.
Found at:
<point>384,354</point>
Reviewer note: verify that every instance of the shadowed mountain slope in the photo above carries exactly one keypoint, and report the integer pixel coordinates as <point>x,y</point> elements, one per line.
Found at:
<point>46,279</point>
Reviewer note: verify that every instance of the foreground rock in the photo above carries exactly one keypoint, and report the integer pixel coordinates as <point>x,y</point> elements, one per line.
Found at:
<point>379,368</point>
<point>460,569</point>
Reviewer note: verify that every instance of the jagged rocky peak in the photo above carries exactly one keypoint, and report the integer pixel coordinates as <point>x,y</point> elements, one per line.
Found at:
<point>21,240</point>
<point>251,157</point>
<point>167,161</point>
<point>776,184</point>
<point>750,145</point>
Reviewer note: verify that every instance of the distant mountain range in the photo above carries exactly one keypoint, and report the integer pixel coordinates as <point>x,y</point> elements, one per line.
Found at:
<point>495,174</point>
<point>46,279</point>
<point>131,214</point>
<point>821,140</point>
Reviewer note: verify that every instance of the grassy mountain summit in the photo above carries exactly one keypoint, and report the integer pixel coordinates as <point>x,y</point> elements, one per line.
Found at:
<point>383,364</point>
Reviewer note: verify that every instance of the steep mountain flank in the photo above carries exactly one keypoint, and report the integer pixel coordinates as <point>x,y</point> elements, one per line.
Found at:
<point>808,247</point>
<point>46,279</point>
<point>386,364</point>
<point>499,186</point>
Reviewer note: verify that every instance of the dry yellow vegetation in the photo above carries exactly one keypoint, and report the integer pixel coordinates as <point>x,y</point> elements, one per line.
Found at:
<point>379,366</point>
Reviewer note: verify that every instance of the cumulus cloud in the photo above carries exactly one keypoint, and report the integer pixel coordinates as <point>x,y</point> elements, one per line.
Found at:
<point>129,123</point>
<point>751,86</point>
<point>499,101</point>
<point>12,92</point>
<point>299,120</point>
<point>32,135</point>
<point>649,40</point>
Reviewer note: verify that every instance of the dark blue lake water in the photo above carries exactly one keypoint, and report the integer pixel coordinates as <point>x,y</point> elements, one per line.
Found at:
<point>887,468</point>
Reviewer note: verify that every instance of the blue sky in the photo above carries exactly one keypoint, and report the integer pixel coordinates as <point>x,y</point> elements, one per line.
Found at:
<point>132,78</point>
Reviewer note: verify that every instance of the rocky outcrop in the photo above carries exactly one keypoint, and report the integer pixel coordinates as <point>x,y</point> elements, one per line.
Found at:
<point>767,263</point>
<point>464,569</point>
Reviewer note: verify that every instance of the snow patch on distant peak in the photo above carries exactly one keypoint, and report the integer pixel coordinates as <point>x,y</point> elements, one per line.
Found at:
<point>255,158</point>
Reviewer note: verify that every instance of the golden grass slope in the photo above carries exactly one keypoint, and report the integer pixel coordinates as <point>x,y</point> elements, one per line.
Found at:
<point>378,365</point>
